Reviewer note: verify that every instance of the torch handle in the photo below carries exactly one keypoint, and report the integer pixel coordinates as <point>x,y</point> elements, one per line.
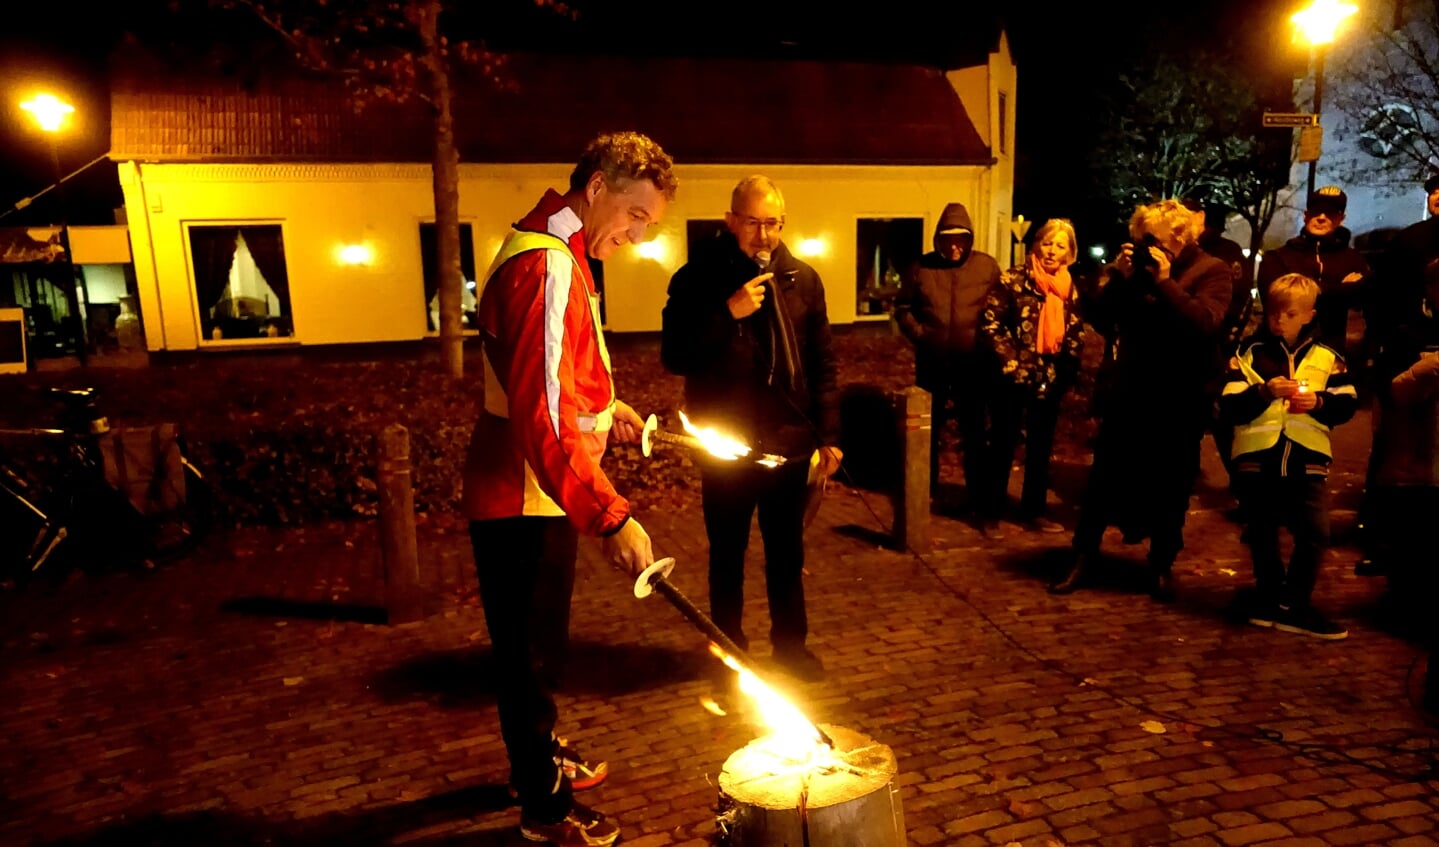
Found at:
<point>701,620</point>
<point>672,438</point>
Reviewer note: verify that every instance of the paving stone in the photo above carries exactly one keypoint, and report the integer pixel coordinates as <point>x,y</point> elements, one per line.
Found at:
<point>138,698</point>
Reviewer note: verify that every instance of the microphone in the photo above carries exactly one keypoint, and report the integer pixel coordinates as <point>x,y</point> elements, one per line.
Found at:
<point>762,259</point>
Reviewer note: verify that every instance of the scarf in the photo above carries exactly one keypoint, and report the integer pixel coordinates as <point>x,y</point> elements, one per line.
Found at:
<point>1055,288</point>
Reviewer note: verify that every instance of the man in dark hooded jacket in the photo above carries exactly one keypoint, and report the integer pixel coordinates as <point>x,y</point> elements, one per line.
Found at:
<point>1321,252</point>
<point>938,309</point>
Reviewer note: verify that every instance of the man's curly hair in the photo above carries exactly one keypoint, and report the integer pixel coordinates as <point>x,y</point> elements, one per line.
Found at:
<point>626,157</point>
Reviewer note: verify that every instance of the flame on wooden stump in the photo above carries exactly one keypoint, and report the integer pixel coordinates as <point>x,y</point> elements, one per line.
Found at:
<point>844,795</point>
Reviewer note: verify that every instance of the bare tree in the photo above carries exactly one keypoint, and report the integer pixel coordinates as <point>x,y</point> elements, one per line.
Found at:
<point>397,51</point>
<point>1186,123</point>
<point>1386,81</point>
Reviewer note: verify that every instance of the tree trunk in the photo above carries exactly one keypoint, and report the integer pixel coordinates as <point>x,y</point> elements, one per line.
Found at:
<point>446,170</point>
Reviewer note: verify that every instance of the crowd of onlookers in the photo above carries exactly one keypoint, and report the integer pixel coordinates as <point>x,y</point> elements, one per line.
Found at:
<point>1189,349</point>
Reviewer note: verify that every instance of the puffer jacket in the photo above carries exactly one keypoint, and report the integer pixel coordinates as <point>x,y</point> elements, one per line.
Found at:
<point>939,303</point>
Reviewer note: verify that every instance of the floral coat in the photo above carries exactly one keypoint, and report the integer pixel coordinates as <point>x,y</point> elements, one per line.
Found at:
<point>1009,325</point>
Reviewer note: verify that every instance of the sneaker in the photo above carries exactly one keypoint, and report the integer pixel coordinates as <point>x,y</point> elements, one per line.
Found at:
<point>800,663</point>
<point>1264,612</point>
<point>582,827</point>
<point>1039,523</point>
<point>1305,620</point>
<point>582,775</point>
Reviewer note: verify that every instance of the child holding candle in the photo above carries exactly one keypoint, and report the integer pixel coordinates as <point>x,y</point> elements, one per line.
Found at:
<point>1285,390</point>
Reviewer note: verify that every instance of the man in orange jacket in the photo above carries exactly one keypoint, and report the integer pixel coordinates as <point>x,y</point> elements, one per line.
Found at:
<point>532,479</point>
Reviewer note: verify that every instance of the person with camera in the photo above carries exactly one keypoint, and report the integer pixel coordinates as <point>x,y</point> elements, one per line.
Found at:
<point>1162,303</point>
<point>746,325</point>
<point>1031,323</point>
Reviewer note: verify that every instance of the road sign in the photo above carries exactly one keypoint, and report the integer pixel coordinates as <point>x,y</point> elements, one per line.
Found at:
<point>1290,119</point>
<point>1311,138</point>
<point>1019,226</point>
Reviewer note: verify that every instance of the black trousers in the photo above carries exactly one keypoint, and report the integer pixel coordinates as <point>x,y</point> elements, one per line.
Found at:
<point>730,495</point>
<point>526,569</point>
<point>1144,470</point>
<point>966,395</point>
<point>1299,504</point>
<point>1039,417</point>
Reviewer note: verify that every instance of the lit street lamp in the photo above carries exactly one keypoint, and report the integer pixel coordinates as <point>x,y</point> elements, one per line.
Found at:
<point>1317,24</point>
<point>50,113</point>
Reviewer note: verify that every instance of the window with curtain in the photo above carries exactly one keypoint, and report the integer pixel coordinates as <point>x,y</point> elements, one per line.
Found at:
<point>429,240</point>
<point>241,283</point>
<point>884,248</point>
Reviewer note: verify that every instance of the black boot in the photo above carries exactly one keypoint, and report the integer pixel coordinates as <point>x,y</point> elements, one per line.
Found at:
<point>1074,577</point>
<point>1161,586</point>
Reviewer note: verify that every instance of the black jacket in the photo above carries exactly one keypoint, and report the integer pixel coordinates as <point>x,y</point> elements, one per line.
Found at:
<point>940,302</point>
<point>1327,261</point>
<point>735,379</point>
<point>1167,334</point>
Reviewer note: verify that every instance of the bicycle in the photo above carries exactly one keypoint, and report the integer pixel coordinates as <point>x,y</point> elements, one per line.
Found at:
<point>62,501</point>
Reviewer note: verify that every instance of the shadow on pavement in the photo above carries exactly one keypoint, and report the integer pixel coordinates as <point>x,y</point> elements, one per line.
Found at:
<point>281,608</point>
<point>466,678</point>
<point>354,829</point>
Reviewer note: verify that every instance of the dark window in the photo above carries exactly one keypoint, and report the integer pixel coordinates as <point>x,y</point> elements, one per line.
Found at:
<point>884,248</point>
<point>1003,123</point>
<point>430,268</point>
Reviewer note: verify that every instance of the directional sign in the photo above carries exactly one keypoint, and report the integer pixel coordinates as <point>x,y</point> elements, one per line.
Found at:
<point>1290,119</point>
<point>1311,139</point>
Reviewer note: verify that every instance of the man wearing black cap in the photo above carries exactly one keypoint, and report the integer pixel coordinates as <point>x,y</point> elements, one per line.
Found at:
<point>1321,252</point>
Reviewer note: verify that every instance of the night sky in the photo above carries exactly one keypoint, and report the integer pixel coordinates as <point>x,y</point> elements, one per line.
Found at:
<point>1064,56</point>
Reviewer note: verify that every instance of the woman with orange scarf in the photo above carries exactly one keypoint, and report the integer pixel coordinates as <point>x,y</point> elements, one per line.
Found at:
<point>1031,323</point>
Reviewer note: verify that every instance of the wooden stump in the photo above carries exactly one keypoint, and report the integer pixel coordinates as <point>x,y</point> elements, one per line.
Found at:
<point>848,799</point>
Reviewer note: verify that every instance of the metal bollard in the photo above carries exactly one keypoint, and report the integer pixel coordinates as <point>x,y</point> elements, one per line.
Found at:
<point>400,551</point>
<point>911,500</point>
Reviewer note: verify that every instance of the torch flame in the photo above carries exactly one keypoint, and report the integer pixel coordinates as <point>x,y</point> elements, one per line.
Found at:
<point>793,736</point>
<point>717,444</point>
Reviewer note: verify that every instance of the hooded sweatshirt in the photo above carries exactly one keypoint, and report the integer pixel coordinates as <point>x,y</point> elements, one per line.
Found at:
<point>939,304</point>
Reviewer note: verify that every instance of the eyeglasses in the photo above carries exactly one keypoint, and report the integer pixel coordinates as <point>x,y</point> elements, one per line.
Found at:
<point>769,224</point>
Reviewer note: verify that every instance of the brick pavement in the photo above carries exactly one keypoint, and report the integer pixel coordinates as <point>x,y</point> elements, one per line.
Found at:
<point>245,698</point>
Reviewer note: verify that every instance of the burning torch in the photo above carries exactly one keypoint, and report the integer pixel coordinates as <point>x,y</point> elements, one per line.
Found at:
<point>654,578</point>
<point>707,439</point>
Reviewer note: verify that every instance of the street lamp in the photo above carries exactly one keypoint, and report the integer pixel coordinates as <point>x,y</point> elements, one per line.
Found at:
<point>50,113</point>
<point>1317,24</point>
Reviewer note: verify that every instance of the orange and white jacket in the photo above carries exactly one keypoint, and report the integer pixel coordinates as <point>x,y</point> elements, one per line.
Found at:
<point>549,396</point>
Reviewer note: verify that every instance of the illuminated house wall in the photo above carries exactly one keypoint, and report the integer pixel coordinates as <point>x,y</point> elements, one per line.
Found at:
<point>347,194</point>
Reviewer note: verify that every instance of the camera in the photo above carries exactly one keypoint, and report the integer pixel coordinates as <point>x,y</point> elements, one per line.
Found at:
<point>1141,258</point>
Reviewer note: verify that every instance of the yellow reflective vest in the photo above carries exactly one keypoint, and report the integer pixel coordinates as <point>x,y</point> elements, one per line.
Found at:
<point>1312,370</point>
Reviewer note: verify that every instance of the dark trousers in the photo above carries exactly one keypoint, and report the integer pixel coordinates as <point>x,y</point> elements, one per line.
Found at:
<point>731,493</point>
<point>1403,516</point>
<point>1145,465</point>
<point>526,569</point>
<point>1299,504</point>
<point>1039,416</point>
<point>966,395</point>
